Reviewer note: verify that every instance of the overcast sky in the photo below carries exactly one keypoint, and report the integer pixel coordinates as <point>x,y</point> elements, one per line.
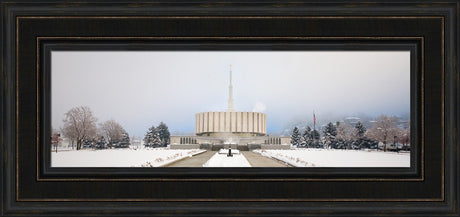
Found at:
<point>141,88</point>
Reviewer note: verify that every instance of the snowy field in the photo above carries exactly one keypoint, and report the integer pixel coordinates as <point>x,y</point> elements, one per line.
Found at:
<point>338,158</point>
<point>149,157</point>
<point>220,159</point>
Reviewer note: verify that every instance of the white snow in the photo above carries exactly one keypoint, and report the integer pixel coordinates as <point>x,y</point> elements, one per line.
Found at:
<point>220,159</point>
<point>149,157</point>
<point>225,151</point>
<point>338,158</point>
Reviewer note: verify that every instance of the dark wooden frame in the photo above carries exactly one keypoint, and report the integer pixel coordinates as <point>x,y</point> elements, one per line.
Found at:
<point>31,29</point>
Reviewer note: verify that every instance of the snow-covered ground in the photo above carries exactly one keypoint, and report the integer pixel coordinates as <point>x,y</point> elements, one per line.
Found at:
<point>220,159</point>
<point>149,157</point>
<point>338,158</point>
<point>225,151</point>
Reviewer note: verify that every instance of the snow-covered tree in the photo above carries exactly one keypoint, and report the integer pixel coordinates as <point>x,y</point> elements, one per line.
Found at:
<point>383,130</point>
<point>156,142</point>
<point>152,138</point>
<point>346,133</point>
<point>302,143</point>
<point>124,141</point>
<point>101,143</point>
<point>79,124</point>
<point>163,131</point>
<point>330,133</point>
<point>360,130</point>
<point>295,137</point>
<point>307,137</point>
<point>149,136</point>
<point>360,140</point>
<point>112,131</point>
<point>315,136</point>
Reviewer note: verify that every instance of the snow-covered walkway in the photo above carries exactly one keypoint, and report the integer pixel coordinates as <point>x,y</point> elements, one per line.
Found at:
<point>307,157</point>
<point>220,159</point>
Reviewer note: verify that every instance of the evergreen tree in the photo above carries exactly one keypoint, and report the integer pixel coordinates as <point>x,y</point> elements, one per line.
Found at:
<point>307,137</point>
<point>164,134</point>
<point>361,141</point>
<point>124,141</point>
<point>295,137</point>
<point>101,143</point>
<point>148,139</point>
<point>302,143</point>
<point>86,143</point>
<point>360,130</point>
<point>315,138</point>
<point>156,142</point>
<point>330,133</point>
<point>330,130</point>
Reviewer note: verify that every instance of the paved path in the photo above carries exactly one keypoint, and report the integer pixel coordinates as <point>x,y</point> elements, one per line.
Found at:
<point>257,160</point>
<point>194,161</point>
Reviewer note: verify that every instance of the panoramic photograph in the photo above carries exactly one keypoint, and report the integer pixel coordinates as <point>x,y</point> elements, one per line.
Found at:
<point>230,109</point>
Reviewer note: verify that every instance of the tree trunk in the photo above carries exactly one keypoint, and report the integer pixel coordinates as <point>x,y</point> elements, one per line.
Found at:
<point>79,144</point>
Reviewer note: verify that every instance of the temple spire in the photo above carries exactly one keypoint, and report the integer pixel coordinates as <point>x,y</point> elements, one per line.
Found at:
<point>230,93</point>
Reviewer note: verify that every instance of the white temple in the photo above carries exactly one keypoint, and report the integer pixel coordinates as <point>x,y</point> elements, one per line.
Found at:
<point>230,128</point>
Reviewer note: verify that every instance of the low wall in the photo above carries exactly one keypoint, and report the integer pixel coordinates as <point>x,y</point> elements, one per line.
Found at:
<point>264,146</point>
<point>254,146</point>
<point>184,146</point>
<point>216,147</point>
<point>206,146</point>
<point>243,147</point>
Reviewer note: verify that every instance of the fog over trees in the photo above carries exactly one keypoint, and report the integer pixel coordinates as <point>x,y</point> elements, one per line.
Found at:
<point>341,135</point>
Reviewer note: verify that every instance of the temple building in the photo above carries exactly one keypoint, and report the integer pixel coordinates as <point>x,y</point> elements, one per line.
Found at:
<point>230,129</point>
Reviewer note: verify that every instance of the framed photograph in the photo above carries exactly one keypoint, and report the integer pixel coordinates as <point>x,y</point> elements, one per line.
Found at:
<point>260,135</point>
<point>230,108</point>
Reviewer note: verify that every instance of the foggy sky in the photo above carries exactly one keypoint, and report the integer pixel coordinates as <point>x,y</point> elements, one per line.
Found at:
<point>141,88</point>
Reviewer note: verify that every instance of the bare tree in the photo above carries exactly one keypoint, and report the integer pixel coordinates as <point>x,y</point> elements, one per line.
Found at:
<point>79,124</point>
<point>346,132</point>
<point>384,130</point>
<point>112,131</point>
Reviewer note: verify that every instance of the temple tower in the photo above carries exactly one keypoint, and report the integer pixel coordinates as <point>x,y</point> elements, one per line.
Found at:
<point>230,94</point>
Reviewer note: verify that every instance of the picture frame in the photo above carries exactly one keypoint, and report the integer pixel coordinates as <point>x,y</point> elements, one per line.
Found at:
<point>30,30</point>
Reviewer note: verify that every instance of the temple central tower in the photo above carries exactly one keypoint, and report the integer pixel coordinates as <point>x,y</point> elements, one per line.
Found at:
<point>230,123</point>
<point>230,94</point>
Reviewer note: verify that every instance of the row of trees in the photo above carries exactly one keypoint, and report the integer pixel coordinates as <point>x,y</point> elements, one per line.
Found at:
<point>80,126</point>
<point>307,139</point>
<point>345,136</point>
<point>157,136</point>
